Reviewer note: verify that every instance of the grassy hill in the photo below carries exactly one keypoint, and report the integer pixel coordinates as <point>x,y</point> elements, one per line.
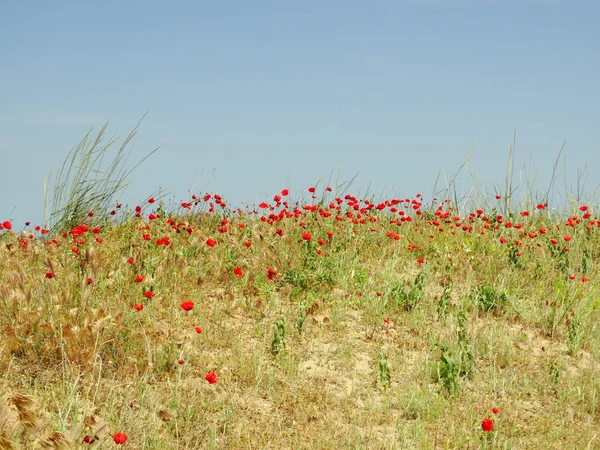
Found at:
<point>331,322</point>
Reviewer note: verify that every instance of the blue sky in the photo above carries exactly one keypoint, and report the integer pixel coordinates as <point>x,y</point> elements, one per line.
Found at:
<point>247,98</point>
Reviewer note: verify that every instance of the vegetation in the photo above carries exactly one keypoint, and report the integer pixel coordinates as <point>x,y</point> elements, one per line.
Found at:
<point>330,322</point>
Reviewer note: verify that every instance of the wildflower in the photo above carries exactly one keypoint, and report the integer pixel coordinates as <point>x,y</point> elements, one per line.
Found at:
<point>138,306</point>
<point>238,271</point>
<point>120,438</point>
<point>181,362</point>
<point>89,281</point>
<point>139,278</point>
<point>487,425</point>
<point>271,273</point>
<point>495,410</point>
<point>7,225</point>
<point>50,275</point>
<point>306,236</point>
<point>198,330</point>
<point>311,190</point>
<point>149,294</point>
<point>247,244</point>
<point>211,377</point>
<point>284,192</point>
<point>503,240</point>
<point>187,306</point>
<point>568,238</point>
<point>151,200</point>
<point>583,208</point>
<point>211,242</point>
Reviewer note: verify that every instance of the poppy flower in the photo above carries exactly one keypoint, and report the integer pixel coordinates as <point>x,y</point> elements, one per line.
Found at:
<point>181,362</point>
<point>495,410</point>
<point>248,244</point>
<point>285,192</point>
<point>151,200</point>
<point>211,377</point>
<point>311,190</point>
<point>138,306</point>
<point>187,306</point>
<point>306,236</point>
<point>149,294</point>
<point>198,330</point>
<point>50,275</point>
<point>120,438</point>
<point>211,242</point>
<point>139,278</point>
<point>238,271</point>
<point>487,425</point>
<point>7,225</point>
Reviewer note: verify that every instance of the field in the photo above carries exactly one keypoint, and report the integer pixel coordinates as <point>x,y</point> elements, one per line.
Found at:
<point>328,321</point>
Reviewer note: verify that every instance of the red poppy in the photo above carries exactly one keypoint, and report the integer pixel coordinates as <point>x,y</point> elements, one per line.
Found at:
<point>311,190</point>
<point>487,425</point>
<point>583,208</point>
<point>138,306</point>
<point>181,362</point>
<point>198,330</point>
<point>567,238</point>
<point>50,275</point>
<point>306,236</point>
<point>89,281</point>
<point>130,261</point>
<point>495,410</point>
<point>211,242</point>
<point>139,278</point>
<point>248,244</point>
<point>149,294</point>
<point>7,225</point>
<point>238,271</point>
<point>285,192</point>
<point>271,273</point>
<point>120,438</point>
<point>211,377</point>
<point>187,306</point>
<point>151,200</point>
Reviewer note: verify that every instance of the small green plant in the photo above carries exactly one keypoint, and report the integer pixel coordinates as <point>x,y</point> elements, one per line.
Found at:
<point>448,370</point>
<point>444,301</point>
<point>408,298</point>
<point>554,372</point>
<point>385,378</point>
<point>301,318</point>
<point>489,299</point>
<point>451,368</point>
<point>278,341</point>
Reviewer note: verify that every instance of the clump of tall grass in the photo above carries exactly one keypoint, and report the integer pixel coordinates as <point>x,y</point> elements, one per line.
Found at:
<point>84,184</point>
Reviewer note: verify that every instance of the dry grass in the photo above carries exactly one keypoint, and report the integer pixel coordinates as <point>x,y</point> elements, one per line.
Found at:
<point>77,359</point>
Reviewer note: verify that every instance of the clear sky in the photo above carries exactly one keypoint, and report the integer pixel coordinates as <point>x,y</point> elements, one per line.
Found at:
<point>249,97</point>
